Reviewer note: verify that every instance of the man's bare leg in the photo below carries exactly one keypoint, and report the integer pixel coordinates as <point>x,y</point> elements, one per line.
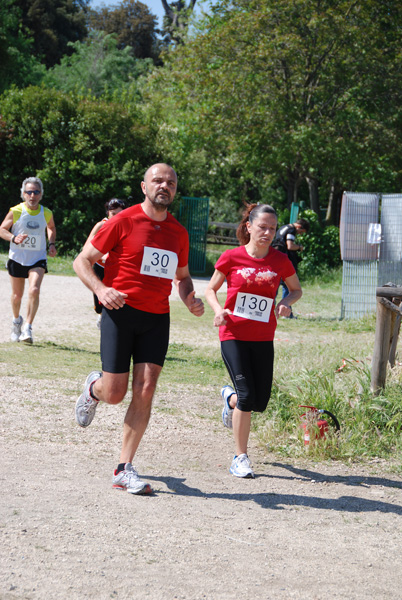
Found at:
<point>111,387</point>
<point>35,278</point>
<point>145,378</point>
<point>17,291</point>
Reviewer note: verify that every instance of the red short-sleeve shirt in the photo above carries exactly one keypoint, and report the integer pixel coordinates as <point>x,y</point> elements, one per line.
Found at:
<point>255,276</point>
<point>124,237</point>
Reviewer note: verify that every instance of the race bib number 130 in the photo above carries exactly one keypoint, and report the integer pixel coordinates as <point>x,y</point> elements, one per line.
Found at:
<point>159,263</point>
<point>254,307</point>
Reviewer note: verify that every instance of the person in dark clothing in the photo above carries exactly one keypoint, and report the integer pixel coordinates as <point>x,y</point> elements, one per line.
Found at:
<point>285,241</point>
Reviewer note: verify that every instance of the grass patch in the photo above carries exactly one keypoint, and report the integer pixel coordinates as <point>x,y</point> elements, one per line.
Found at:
<point>193,366</point>
<point>47,361</point>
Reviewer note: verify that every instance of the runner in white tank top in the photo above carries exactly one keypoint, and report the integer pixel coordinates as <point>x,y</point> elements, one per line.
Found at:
<point>25,227</point>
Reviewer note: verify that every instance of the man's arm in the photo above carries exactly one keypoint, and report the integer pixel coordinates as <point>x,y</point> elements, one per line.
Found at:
<point>185,288</point>
<point>108,296</point>
<point>5,232</point>
<point>291,245</point>
<point>51,236</point>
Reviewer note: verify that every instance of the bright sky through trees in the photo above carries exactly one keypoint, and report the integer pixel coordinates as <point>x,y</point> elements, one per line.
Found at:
<point>155,6</point>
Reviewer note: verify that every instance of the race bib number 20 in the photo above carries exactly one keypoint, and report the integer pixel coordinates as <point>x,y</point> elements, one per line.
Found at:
<point>32,242</point>
<point>254,307</point>
<point>159,263</point>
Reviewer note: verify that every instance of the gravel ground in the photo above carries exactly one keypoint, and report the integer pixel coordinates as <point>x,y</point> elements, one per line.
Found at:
<point>298,530</point>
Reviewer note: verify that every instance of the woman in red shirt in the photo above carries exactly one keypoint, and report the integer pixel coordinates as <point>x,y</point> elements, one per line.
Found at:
<point>247,322</point>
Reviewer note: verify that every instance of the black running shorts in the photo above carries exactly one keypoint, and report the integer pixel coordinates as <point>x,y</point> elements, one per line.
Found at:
<point>130,333</point>
<point>17,270</point>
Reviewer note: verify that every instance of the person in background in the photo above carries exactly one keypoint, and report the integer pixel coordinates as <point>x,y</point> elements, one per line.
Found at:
<point>112,207</point>
<point>148,249</point>
<point>26,226</point>
<point>247,321</point>
<point>285,241</point>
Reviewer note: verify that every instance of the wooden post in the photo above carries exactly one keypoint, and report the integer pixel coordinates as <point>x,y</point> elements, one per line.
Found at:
<point>396,325</point>
<point>381,346</point>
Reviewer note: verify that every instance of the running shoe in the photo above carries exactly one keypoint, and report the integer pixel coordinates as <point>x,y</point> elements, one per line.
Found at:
<point>16,329</point>
<point>129,480</point>
<point>227,412</point>
<point>26,334</point>
<point>86,405</point>
<point>241,466</point>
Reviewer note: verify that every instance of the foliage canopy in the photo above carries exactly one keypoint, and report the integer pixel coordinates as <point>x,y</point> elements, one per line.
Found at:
<point>85,152</point>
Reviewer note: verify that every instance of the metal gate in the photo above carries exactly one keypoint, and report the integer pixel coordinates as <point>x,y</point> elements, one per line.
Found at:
<point>390,260</point>
<point>194,214</point>
<point>360,258</point>
<point>369,261</point>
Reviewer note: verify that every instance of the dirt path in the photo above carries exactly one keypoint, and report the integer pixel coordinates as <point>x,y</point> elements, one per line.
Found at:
<point>299,530</point>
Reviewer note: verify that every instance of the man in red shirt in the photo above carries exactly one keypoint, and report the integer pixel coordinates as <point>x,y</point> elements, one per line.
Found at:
<point>147,250</point>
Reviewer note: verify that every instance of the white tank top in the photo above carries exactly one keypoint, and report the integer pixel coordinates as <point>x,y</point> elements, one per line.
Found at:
<point>33,248</point>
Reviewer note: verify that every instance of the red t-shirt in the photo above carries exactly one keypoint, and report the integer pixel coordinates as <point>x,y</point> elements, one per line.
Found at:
<point>128,237</point>
<point>252,282</point>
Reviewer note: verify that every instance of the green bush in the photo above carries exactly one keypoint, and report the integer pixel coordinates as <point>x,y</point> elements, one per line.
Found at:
<point>321,248</point>
<point>84,151</point>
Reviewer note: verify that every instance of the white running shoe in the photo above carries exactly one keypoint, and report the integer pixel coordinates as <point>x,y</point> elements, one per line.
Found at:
<point>227,411</point>
<point>86,405</point>
<point>241,466</point>
<point>16,329</point>
<point>26,334</point>
<point>129,480</point>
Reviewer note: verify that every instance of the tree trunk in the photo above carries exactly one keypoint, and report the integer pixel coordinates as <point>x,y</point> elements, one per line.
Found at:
<point>178,15</point>
<point>291,185</point>
<point>334,204</point>
<point>314,195</point>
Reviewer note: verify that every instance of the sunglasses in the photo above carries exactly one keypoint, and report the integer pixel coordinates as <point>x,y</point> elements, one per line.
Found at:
<point>116,204</point>
<point>30,192</point>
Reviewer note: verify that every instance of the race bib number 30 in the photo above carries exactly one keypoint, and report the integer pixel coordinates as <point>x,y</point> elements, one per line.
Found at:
<point>32,242</point>
<point>254,307</point>
<point>159,263</point>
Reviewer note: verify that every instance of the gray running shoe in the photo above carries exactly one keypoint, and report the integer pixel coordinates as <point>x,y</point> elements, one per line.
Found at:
<point>130,481</point>
<point>26,334</point>
<point>16,329</point>
<point>227,412</point>
<point>241,466</point>
<point>86,405</point>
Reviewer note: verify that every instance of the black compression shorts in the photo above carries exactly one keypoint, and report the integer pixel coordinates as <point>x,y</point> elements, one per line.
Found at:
<point>127,332</point>
<point>250,366</point>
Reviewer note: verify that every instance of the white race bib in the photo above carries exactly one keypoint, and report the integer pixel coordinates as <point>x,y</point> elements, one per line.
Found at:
<point>32,242</point>
<point>252,306</point>
<point>159,263</point>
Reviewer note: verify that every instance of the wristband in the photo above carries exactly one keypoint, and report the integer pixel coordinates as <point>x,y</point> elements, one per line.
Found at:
<point>52,244</point>
<point>13,238</point>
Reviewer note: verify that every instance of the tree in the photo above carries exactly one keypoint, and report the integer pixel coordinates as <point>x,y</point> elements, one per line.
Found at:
<point>52,24</point>
<point>97,67</point>
<point>134,25</point>
<point>17,65</point>
<point>279,91</point>
<point>85,152</point>
<point>176,19</point>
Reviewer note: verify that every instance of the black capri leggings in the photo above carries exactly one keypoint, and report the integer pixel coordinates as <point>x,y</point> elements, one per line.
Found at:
<point>250,366</point>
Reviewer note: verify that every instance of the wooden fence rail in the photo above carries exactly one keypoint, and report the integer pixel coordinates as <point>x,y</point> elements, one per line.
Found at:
<point>388,323</point>
<point>222,233</point>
